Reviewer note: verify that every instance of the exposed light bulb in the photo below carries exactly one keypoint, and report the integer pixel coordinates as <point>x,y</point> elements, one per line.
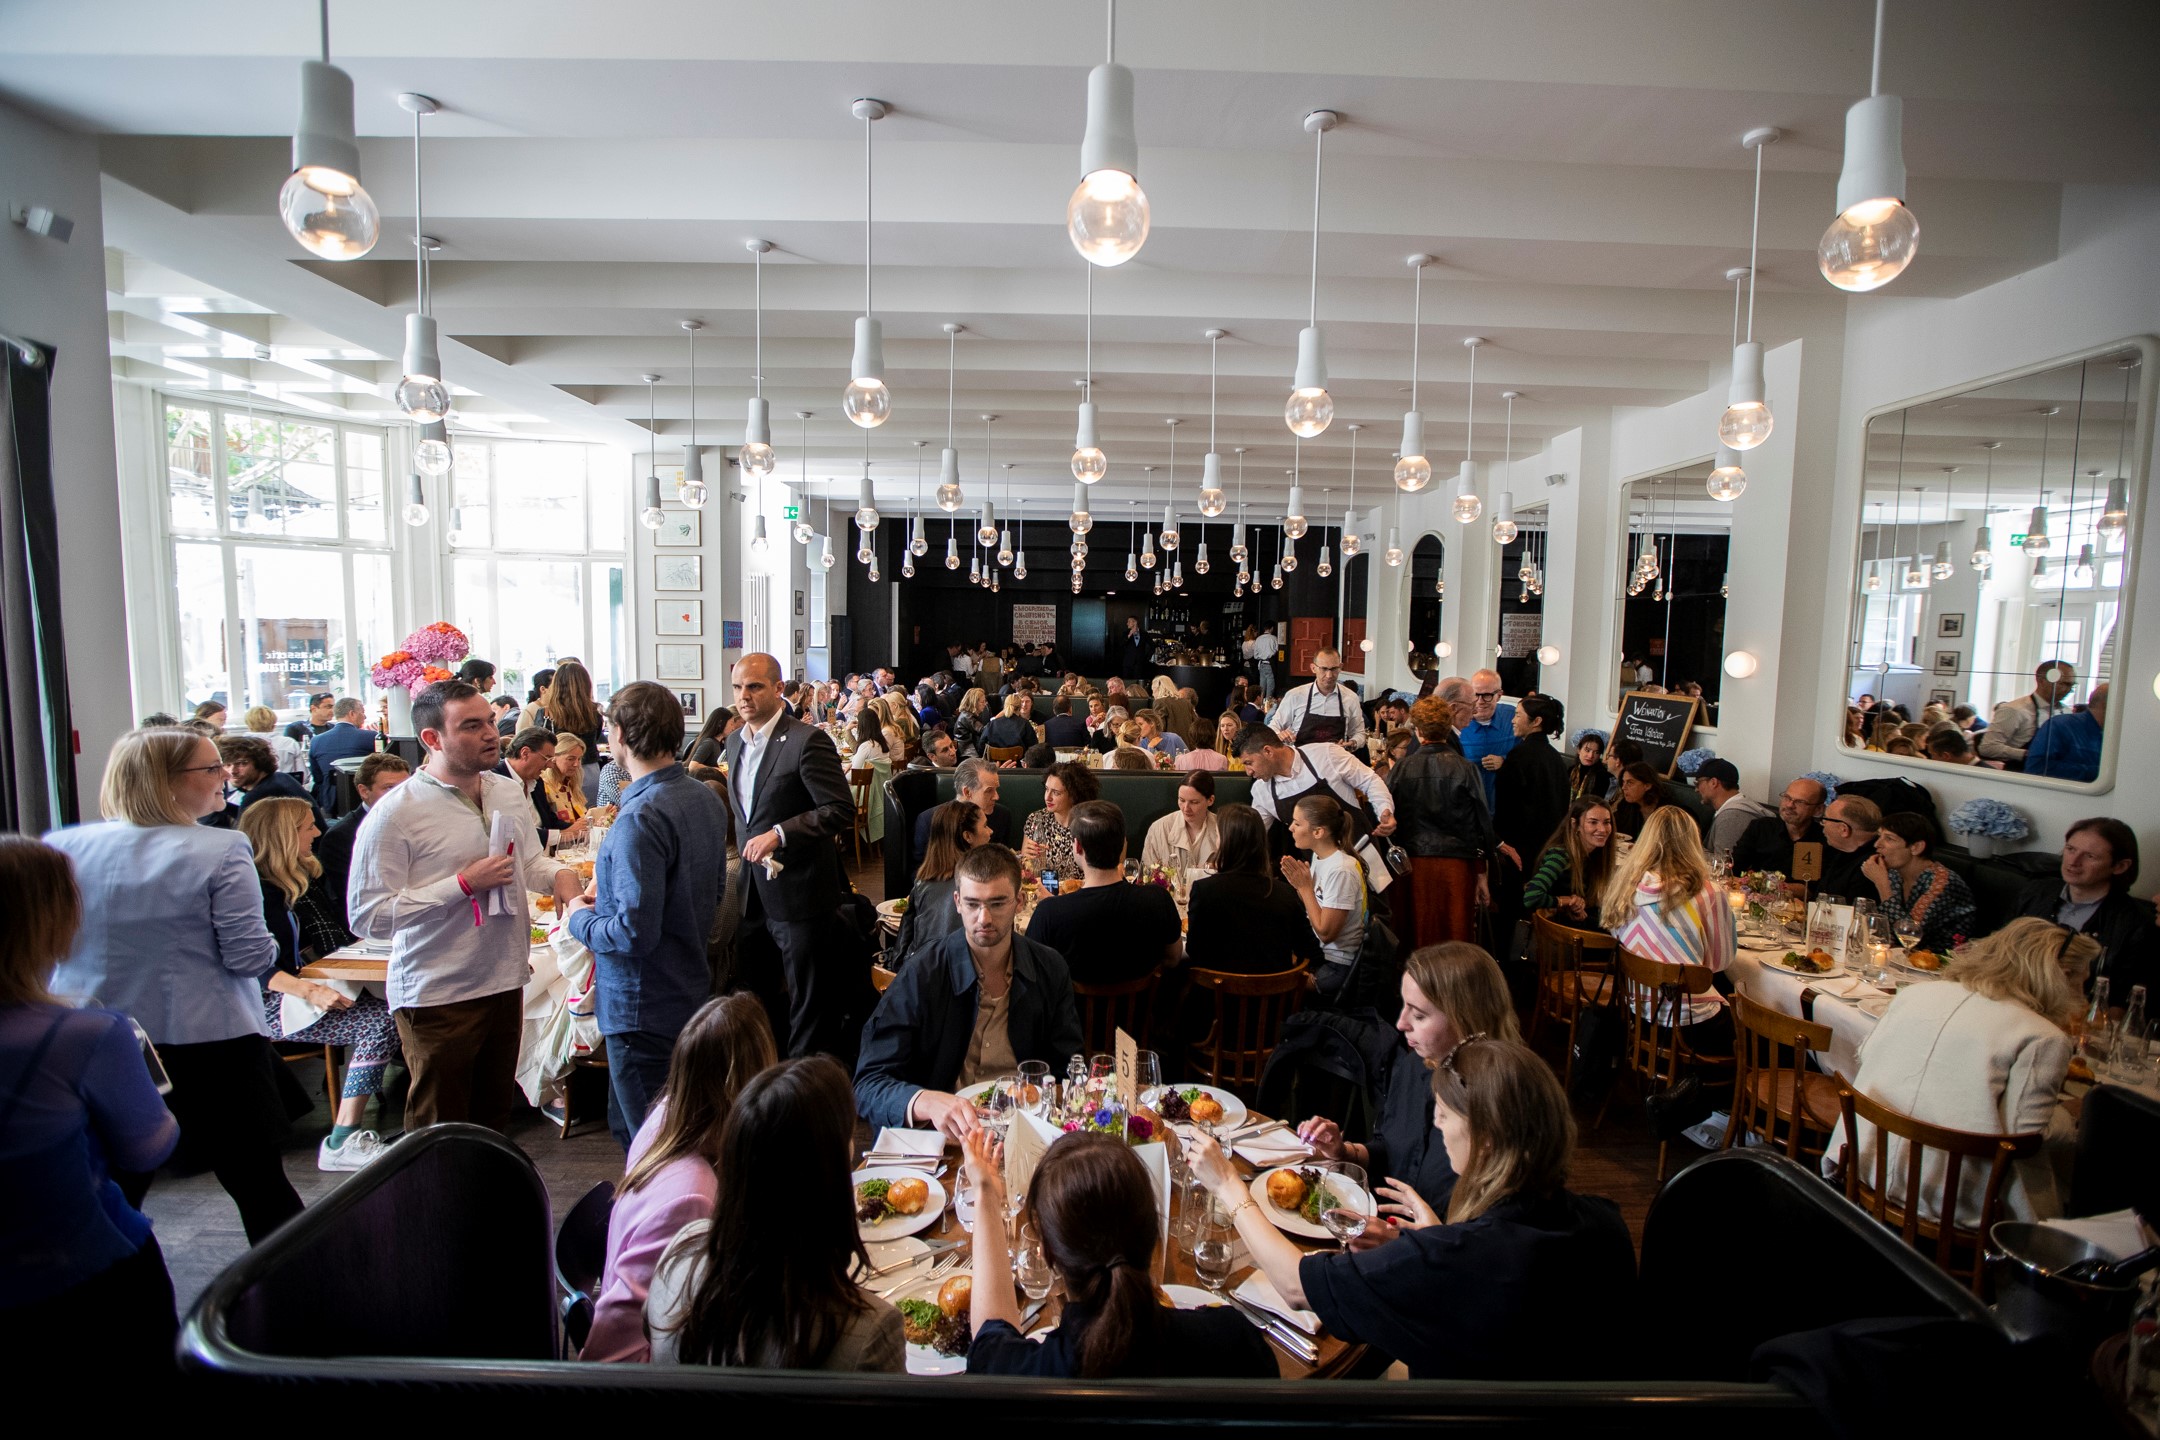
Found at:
<point>1310,409</point>
<point>1238,552</point>
<point>1365,645</point>
<point>1200,560</point>
<point>759,543</point>
<point>986,530</point>
<point>1005,551</point>
<point>1147,549</point>
<point>756,460</point>
<point>323,203</point>
<point>1413,472</point>
<point>1275,581</point>
<point>866,512</point>
<point>693,494</point>
<point>1289,561</point>
<point>416,513</point>
<point>651,516</point>
<point>1020,565</point>
<point>2036,536</point>
<point>1468,507</point>
<point>432,455</point>
<point>1746,422</point>
<point>1728,480</point>
<point>1352,542</point>
<point>1548,655</point>
<point>866,401</point>
<point>1443,650</point>
<point>1394,552</point>
<point>1169,529</point>
<point>975,569</point>
<point>1324,567</point>
<point>2115,514</point>
<point>1294,523</point>
<point>801,529</point>
<point>1983,555</point>
<point>1943,568</point>
<point>1503,525</point>
<point>421,393</point>
<point>1212,499</point>
<point>1088,462</point>
<point>1869,245</point>
<point>920,544</point>
<point>1080,521</point>
<point>1130,572</point>
<point>952,553</point>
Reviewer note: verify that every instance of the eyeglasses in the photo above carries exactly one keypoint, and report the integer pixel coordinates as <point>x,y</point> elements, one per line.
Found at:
<point>1841,824</point>
<point>217,769</point>
<point>1486,694</point>
<point>1327,669</point>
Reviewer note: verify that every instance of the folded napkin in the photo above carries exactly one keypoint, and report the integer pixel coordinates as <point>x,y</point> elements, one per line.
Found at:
<point>1844,987</point>
<point>1276,1147</point>
<point>1258,1291</point>
<point>296,1014</point>
<point>916,1144</point>
<point>1876,1004</point>
<point>2118,1233</point>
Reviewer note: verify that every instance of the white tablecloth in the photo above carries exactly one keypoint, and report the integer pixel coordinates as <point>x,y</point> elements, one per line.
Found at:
<point>1780,990</point>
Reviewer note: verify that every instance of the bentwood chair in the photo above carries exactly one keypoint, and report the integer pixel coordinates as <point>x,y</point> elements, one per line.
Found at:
<point>1574,969</point>
<point>1000,754</point>
<point>1126,1005</point>
<point>580,1257</point>
<point>1655,995</point>
<point>1959,1249</point>
<point>859,782</point>
<point>1250,1011</point>
<point>1776,1097</point>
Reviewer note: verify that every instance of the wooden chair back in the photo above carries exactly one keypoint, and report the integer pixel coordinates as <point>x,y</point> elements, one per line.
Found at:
<point>999,754</point>
<point>1574,969</point>
<point>1250,1011</point>
<point>1654,995</point>
<point>1958,1249</point>
<point>1106,1009</point>
<point>1775,1096</point>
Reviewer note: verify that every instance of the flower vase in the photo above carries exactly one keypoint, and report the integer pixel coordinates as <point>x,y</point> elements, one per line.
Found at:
<point>1980,847</point>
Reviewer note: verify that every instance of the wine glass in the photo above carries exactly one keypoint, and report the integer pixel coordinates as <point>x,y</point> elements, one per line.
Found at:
<point>1352,1211</point>
<point>1132,872</point>
<point>1031,1265</point>
<point>1102,1076</point>
<point>1147,1077</point>
<point>1214,1243</point>
<point>1001,1103</point>
<point>1038,1092</point>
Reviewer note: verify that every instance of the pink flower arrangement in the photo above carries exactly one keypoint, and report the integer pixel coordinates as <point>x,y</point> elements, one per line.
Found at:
<point>440,643</point>
<point>420,663</point>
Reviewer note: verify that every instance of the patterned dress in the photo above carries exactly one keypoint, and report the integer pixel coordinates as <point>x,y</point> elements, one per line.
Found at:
<point>1940,901</point>
<point>1697,931</point>
<point>1043,828</point>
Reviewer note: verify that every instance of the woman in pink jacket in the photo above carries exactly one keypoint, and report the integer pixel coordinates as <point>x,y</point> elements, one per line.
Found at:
<point>670,1179</point>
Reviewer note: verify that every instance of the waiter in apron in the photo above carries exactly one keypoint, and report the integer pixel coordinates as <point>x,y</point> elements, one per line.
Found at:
<point>1323,712</point>
<point>1283,773</point>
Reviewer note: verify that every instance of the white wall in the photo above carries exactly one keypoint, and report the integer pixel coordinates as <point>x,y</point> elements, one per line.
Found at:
<point>55,294</point>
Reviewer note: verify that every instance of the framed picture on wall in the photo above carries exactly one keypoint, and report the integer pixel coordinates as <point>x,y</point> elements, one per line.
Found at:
<point>798,642</point>
<point>1945,698</point>
<point>678,572</point>
<point>680,662</point>
<point>679,617</point>
<point>798,607</point>
<point>679,530</point>
<point>1950,627</point>
<point>1947,662</point>
<point>693,701</point>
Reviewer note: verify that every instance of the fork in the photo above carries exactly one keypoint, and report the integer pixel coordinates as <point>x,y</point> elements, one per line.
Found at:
<point>949,1262</point>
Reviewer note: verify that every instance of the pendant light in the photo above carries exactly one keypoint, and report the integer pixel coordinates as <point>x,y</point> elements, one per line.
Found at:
<point>1746,422</point>
<point>1919,575</point>
<point>416,510</point>
<point>1169,509</point>
<point>1200,557</point>
<point>1131,521</point>
<point>986,532</point>
<point>1944,567</point>
<point>1147,537</point>
<point>866,512</point>
<point>1983,555</point>
<point>1503,525</point>
<point>323,203</point>
<point>431,455</point>
<point>649,513</point>
<point>867,402</point>
<point>1310,409</point>
<point>2115,512</point>
<point>1467,505</point>
<point>421,392</point>
<point>948,490</point>
<point>802,531</point>
<point>1020,550</point>
<point>1728,476</point>
<point>2036,536</point>
<point>1005,550</point>
<point>918,543</point>
<point>1238,552</point>
<point>1212,500</point>
<point>1870,566</point>
<point>756,455</point>
<point>1291,536</point>
<point>692,490</point>
<point>1107,216</point>
<point>1352,542</point>
<point>1413,472</point>
<point>1874,236</point>
<point>1079,521</point>
<point>975,567</point>
<point>760,542</point>
<point>952,543</point>
<point>1325,565</point>
<point>1088,462</point>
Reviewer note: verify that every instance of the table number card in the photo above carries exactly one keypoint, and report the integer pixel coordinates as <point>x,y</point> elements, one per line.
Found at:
<point>1128,1072</point>
<point>1806,861</point>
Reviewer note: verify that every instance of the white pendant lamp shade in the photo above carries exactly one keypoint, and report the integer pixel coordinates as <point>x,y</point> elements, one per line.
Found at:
<point>1310,409</point>
<point>1983,555</point>
<point>416,511</point>
<point>1169,527</point>
<point>1132,571</point>
<point>1088,462</point>
<point>421,392</point>
<point>866,514</point>
<point>1020,565</point>
<point>323,202</point>
<point>1238,552</point>
<point>1503,525</point>
<point>1467,506</point>
<point>1107,216</point>
<point>1944,567</point>
<point>1394,552</point>
<point>1275,580</point>
<point>1352,542</point>
<point>1728,478</point>
<point>975,569</point>
<point>825,555</point>
<point>1874,236</point>
<point>1746,421</point>
<point>651,516</point>
<point>1326,564</point>
<point>760,543</point>
<point>2115,515</point>
<point>1212,499</point>
<point>1289,556</point>
<point>867,402</point>
<point>692,491</point>
<point>431,456</point>
<point>756,455</point>
<point>948,490</point>
<point>1147,549</point>
<point>1005,550</point>
<point>1294,525</point>
<point>987,532</point>
<point>952,553</point>
<point>2036,536</point>
<point>1200,561</point>
<point>918,543</point>
<point>1080,521</point>
<point>1413,472</point>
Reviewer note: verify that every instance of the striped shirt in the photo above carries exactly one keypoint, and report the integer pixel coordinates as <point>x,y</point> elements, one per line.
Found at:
<point>1697,931</point>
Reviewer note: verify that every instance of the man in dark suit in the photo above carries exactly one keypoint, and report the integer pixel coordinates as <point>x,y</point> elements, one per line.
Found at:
<point>1066,730</point>
<point>346,739</point>
<point>975,781</point>
<point>379,775</point>
<point>790,802</point>
<point>1136,661</point>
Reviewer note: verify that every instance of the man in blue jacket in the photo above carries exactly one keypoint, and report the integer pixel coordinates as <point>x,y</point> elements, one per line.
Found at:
<point>969,1008</point>
<point>2067,747</point>
<point>346,739</point>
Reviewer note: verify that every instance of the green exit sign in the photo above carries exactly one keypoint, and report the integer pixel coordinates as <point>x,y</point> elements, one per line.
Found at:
<point>2017,542</point>
<point>789,513</point>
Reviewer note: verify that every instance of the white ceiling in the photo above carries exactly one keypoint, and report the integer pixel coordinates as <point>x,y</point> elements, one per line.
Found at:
<point>1574,164</point>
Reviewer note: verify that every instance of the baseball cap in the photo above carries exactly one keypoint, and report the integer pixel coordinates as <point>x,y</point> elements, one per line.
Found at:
<point>1721,771</point>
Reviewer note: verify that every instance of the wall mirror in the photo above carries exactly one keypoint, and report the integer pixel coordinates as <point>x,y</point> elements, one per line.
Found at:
<point>1428,555</point>
<point>1992,581</point>
<point>1521,632</point>
<point>1675,542</point>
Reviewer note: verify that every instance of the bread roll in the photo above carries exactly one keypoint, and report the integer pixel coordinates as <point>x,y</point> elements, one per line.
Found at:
<point>1206,1110</point>
<point>1286,1189</point>
<point>907,1195</point>
<point>954,1296</point>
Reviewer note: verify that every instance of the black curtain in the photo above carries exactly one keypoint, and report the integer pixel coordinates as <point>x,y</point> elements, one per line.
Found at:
<point>37,769</point>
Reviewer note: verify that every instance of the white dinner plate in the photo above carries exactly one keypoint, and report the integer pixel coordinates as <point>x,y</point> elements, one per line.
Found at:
<point>892,912</point>
<point>1777,962</point>
<point>1233,1109</point>
<point>1192,1297</point>
<point>1290,1222</point>
<point>921,1359</point>
<point>892,1227</point>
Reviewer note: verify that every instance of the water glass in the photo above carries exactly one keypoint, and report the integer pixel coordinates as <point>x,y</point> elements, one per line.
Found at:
<point>1347,1219</point>
<point>1148,1078</point>
<point>1031,1266</point>
<point>1038,1092</point>
<point>1214,1246</point>
<point>1002,1101</point>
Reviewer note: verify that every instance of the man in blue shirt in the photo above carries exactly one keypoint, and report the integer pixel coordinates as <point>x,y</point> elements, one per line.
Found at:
<point>651,907</point>
<point>2067,747</point>
<point>1490,733</point>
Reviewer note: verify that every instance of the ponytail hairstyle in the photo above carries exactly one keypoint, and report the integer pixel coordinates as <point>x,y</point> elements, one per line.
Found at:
<point>1094,1206</point>
<point>1327,812</point>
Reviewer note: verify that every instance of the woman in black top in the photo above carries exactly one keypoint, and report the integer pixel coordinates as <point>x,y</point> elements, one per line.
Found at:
<point>1588,775</point>
<point>1092,1203</point>
<point>1641,796</point>
<point>1474,1297</point>
<point>1011,730</point>
<point>712,736</point>
<point>1244,918</point>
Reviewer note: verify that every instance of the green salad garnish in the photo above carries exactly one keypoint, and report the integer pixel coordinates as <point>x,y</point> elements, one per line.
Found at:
<point>873,1189</point>
<point>921,1313</point>
<point>1318,1201</point>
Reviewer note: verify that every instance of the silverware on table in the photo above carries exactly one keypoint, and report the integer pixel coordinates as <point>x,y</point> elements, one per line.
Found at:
<point>929,1252</point>
<point>902,1157</point>
<point>1294,1341</point>
<point>944,1264</point>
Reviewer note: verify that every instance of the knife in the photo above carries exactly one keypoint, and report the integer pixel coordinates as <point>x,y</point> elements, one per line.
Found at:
<point>1277,1329</point>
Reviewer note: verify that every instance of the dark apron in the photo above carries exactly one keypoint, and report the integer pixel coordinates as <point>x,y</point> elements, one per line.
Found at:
<point>1319,729</point>
<point>1361,817</point>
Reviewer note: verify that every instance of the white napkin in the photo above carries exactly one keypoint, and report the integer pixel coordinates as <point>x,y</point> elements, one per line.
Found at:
<point>917,1144</point>
<point>2119,1233</point>
<point>1276,1147</point>
<point>1876,1004</point>
<point>1025,1141</point>
<point>296,1014</point>
<point>502,834</point>
<point>1258,1290</point>
<point>1844,987</point>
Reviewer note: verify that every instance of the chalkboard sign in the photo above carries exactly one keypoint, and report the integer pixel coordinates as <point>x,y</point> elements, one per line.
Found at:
<point>1659,723</point>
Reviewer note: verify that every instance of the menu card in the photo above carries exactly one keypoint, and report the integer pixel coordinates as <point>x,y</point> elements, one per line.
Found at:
<point>1025,1141</point>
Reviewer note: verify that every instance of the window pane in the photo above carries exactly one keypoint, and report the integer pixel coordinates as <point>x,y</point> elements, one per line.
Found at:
<point>540,490</point>
<point>189,477</point>
<point>375,632</point>
<point>610,660</point>
<point>472,596</point>
<point>278,477</point>
<point>469,505</point>
<point>610,483</point>
<point>363,485</point>
<point>292,626</point>
<point>200,579</point>
<point>540,608</point>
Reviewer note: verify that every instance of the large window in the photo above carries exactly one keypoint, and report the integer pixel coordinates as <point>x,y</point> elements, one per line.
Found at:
<point>276,527</point>
<point>537,536</point>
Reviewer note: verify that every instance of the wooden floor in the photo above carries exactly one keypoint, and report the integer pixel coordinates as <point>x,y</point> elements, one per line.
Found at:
<point>200,1230</point>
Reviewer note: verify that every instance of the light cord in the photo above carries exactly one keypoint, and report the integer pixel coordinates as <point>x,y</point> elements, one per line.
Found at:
<point>1754,236</point>
<point>1319,136</point>
<point>1875,75</point>
<point>1417,324</point>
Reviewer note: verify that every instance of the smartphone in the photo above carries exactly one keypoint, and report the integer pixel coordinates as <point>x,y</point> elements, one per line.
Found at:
<point>158,1077</point>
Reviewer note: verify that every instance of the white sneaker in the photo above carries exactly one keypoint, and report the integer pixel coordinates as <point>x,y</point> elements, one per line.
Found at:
<point>360,1147</point>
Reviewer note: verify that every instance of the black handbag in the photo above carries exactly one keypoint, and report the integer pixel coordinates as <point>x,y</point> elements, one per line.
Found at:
<point>1600,1032</point>
<point>1679,1106</point>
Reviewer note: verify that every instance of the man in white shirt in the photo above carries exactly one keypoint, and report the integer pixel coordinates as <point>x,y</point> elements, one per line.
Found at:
<point>424,878</point>
<point>1282,774</point>
<point>1323,712</point>
<point>2012,724</point>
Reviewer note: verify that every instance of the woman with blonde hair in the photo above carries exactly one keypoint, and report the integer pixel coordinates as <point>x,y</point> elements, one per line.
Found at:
<point>1516,1247</point>
<point>173,936</point>
<point>283,832</point>
<point>568,708</point>
<point>290,754</point>
<point>562,784</point>
<point>1011,729</point>
<point>1982,1050</point>
<point>1662,905</point>
<point>967,726</point>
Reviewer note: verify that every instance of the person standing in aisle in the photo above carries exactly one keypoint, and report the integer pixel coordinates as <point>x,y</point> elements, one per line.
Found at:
<point>791,806</point>
<point>1488,734</point>
<point>1323,712</point>
<point>657,885</point>
<point>427,878</point>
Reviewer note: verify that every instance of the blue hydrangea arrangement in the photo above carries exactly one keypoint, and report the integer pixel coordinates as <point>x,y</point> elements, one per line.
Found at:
<point>1991,818</point>
<point>1828,782</point>
<point>1586,733</point>
<point>1689,761</point>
